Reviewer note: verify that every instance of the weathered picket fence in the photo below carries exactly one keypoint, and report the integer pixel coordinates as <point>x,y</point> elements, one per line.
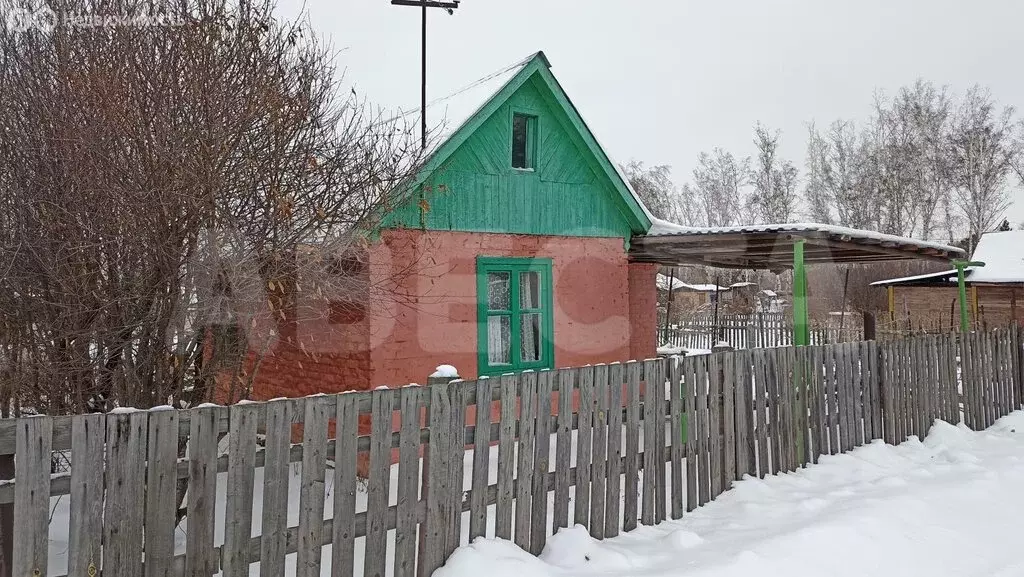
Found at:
<point>749,331</point>
<point>636,442</point>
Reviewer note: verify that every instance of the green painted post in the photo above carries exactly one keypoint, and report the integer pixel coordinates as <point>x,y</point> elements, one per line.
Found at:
<point>965,323</point>
<point>801,324</point>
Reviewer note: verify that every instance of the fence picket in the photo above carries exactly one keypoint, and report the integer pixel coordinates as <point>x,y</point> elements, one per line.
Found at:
<point>728,419</point>
<point>161,481</point>
<point>88,439</point>
<point>833,372</point>
<point>874,385</point>
<point>432,551</point>
<point>701,417</point>
<point>798,373</point>
<point>612,510</point>
<point>632,464</point>
<point>690,406</point>
<point>950,396</point>
<point>33,443</point>
<point>409,475</point>
<point>1017,366</point>
<point>345,459</point>
<point>481,458</point>
<point>932,384</point>
<point>714,423</point>
<point>241,472</point>
<point>976,372</point>
<point>506,460</point>
<point>744,442</point>
<point>819,420</point>
<point>541,463</point>
<point>311,489</point>
<point>584,435</point>
<point>774,424</point>
<point>456,481</point>
<point>125,499</point>
<point>524,475</point>
<point>676,435</point>
<point>862,429</point>
<point>886,387</point>
<point>846,408</point>
<point>787,395</point>
<point>971,389</point>
<point>600,454</point>
<point>276,473</point>
<point>202,491</point>
<point>761,411</point>
<point>650,436</point>
<point>661,448</point>
<point>377,487</point>
<point>563,449</point>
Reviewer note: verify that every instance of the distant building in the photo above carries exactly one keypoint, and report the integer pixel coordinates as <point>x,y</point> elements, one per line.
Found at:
<point>737,298</point>
<point>995,292</point>
<point>688,298</point>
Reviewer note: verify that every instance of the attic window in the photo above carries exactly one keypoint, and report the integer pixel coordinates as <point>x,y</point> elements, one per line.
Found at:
<point>524,129</point>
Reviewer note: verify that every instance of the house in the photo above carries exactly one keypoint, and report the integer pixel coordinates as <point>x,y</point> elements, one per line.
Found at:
<point>507,252</point>
<point>688,298</point>
<point>769,301</point>
<point>993,291</point>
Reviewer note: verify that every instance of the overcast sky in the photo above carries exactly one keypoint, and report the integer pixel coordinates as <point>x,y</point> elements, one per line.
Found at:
<point>660,81</point>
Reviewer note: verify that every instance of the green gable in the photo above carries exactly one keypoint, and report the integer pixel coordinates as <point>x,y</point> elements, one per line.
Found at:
<point>573,189</point>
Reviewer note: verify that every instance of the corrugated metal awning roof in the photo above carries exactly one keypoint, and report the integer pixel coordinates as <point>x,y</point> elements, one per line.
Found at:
<point>770,246</point>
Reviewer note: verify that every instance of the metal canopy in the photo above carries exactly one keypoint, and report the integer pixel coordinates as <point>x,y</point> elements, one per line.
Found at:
<point>771,247</point>
<point>777,247</point>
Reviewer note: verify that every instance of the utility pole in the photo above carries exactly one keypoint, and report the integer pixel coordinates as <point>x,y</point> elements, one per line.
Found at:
<point>450,7</point>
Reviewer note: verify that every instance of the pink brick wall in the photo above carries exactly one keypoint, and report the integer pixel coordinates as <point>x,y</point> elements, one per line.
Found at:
<point>592,306</point>
<point>421,312</point>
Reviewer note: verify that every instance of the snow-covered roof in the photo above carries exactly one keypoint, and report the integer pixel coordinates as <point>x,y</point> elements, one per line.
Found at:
<point>774,246</point>
<point>663,284</point>
<point>1002,253</point>
<point>665,228</point>
<point>918,277</point>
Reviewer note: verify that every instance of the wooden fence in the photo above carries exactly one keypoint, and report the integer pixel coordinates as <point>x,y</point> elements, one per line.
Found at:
<point>637,442</point>
<point>758,330</point>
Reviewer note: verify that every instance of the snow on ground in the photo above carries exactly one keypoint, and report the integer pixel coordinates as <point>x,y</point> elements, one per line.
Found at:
<point>951,505</point>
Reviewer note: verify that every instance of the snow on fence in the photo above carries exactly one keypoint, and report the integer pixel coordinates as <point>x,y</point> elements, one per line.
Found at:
<point>559,458</point>
<point>742,331</point>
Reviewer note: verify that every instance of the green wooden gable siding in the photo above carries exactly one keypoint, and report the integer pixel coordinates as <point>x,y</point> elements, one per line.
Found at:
<point>475,188</point>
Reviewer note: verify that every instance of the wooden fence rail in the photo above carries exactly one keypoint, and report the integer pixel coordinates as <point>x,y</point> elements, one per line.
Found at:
<point>380,481</point>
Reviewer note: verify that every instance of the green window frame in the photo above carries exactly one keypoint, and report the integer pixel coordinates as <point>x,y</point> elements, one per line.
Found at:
<point>528,121</point>
<point>518,316</point>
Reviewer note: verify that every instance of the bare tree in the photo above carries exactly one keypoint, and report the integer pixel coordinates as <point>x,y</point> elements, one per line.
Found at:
<point>719,186</point>
<point>817,199</point>
<point>928,112</point>
<point>661,196</point>
<point>167,192</point>
<point>983,153</point>
<point>837,185</point>
<point>774,180</point>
